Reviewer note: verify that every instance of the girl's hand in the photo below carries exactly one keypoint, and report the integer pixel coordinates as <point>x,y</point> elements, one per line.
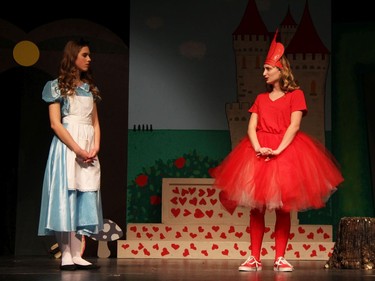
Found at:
<point>264,151</point>
<point>93,153</point>
<point>267,153</point>
<point>86,157</point>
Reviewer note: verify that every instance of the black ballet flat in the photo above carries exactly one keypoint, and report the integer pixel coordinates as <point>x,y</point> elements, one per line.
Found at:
<point>68,267</point>
<point>87,267</point>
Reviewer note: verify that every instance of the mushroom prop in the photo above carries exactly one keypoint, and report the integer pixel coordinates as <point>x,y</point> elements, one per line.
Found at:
<point>110,232</point>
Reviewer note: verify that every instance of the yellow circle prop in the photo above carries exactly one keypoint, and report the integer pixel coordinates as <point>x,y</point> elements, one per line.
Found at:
<point>26,53</point>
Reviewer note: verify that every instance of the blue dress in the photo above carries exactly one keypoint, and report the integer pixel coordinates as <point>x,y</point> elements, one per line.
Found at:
<point>71,199</point>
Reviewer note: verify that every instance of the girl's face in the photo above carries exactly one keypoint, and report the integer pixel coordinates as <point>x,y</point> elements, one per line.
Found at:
<point>271,74</point>
<point>83,59</point>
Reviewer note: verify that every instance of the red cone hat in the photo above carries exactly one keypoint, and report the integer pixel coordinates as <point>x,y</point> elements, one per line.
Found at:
<point>275,53</point>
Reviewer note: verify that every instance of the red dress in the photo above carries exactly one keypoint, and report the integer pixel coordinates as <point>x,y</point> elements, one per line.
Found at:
<point>302,177</point>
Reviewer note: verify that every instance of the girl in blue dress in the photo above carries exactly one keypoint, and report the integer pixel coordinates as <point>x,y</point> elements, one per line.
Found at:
<point>71,201</point>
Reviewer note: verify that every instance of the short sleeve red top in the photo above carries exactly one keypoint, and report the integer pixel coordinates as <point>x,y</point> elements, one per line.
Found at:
<point>274,116</point>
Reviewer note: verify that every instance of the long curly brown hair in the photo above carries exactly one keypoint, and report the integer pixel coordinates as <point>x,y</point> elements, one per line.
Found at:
<point>287,81</point>
<point>68,70</point>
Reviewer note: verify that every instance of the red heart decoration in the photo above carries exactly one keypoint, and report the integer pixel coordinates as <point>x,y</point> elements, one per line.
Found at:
<point>225,252</point>
<point>204,252</point>
<point>182,200</point>
<point>175,246</point>
<point>175,212</point>
<point>192,246</point>
<point>165,252</point>
<point>193,201</point>
<point>209,213</point>
<point>264,252</point>
<point>213,201</point>
<point>193,235</point>
<point>192,190</point>
<point>168,228</point>
<point>322,248</point>
<point>210,192</point>
<point>201,192</point>
<point>198,213</point>
<point>239,234</point>
<point>146,252</point>
<point>222,235</point>
<point>184,192</point>
<point>306,246</point>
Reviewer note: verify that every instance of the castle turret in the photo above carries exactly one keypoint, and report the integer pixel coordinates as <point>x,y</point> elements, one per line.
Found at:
<point>250,44</point>
<point>288,28</point>
<point>309,59</point>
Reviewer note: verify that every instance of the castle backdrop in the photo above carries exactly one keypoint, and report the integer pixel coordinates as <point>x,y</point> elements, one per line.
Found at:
<point>182,88</point>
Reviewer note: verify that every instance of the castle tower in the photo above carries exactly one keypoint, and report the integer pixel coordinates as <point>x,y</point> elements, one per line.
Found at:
<point>250,43</point>
<point>309,59</point>
<point>288,28</point>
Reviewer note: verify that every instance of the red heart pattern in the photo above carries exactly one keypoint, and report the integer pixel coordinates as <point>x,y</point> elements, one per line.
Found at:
<point>191,203</point>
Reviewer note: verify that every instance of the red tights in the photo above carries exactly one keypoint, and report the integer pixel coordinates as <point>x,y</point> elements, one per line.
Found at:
<point>282,231</point>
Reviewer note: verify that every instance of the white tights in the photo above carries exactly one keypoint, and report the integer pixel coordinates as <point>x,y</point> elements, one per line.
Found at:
<point>70,247</point>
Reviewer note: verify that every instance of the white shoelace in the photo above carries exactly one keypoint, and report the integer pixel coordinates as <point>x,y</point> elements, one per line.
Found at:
<point>257,264</point>
<point>282,261</point>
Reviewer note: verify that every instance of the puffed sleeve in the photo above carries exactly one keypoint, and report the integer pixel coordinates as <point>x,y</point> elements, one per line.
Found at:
<point>51,92</point>
<point>298,102</point>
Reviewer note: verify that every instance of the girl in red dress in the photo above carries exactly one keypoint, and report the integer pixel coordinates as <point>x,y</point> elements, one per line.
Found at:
<point>276,166</point>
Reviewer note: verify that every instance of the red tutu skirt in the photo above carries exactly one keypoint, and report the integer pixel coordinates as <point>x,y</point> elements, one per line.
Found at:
<point>302,177</point>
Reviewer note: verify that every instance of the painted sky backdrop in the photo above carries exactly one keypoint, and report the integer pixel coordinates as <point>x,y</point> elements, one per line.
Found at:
<point>182,64</point>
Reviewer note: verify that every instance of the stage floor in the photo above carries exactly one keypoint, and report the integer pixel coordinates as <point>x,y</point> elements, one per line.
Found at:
<point>45,269</point>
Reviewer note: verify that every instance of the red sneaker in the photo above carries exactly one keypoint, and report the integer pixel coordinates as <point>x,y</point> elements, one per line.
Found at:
<point>251,264</point>
<point>282,265</point>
